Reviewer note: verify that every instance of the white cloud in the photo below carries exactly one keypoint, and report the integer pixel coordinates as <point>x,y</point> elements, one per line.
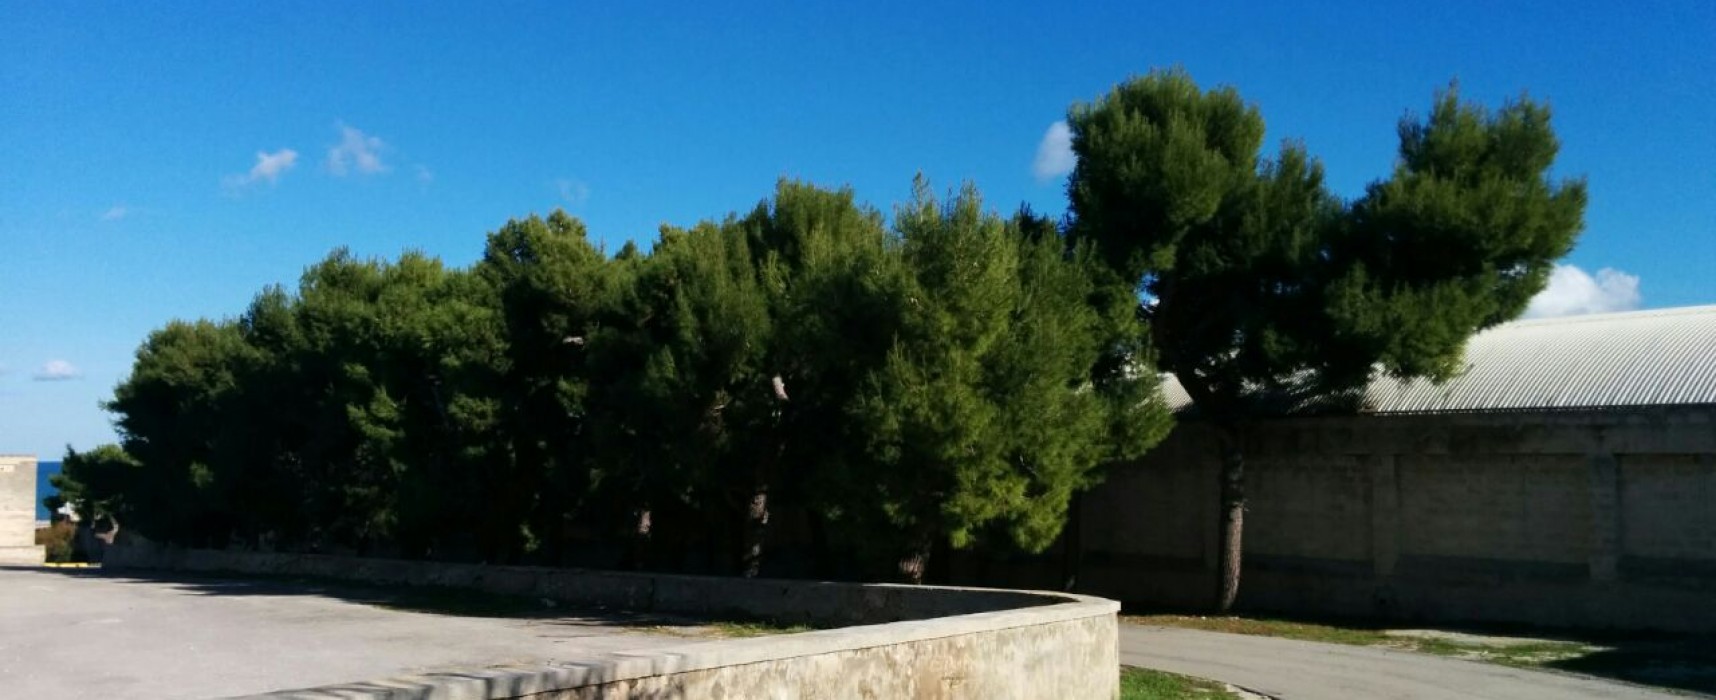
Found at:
<point>356,151</point>
<point>425,175</point>
<point>115,213</point>
<point>57,370</point>
<point>1054,153</point>
<point>269,167</point>
<point>573,191</point>
<point>1572,291</point>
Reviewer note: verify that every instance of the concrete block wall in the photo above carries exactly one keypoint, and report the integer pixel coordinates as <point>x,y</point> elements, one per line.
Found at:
<point>1668,503</point>
<point>18,510</point>
<point>1592,519</point>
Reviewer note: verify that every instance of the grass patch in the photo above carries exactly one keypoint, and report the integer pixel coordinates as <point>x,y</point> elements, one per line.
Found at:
<point>466,602</point>
<point>1523,652</point>
<point>1663,660</point>
<point>457,602</point>
<point>729,629</point>
<point>739,630</point>
<point>1147,684</point>
<point>1266,627</point>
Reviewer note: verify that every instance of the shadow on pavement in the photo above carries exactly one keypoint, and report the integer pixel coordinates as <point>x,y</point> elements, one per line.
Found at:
<point>1681,662</point>
<point>1686,665</point>
<point>435,600</point>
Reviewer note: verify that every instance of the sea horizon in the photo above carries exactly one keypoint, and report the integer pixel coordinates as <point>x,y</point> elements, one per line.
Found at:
<point>45,487</point>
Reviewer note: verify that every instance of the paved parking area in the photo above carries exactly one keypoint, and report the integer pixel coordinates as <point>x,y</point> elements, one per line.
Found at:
<point>68,634</point>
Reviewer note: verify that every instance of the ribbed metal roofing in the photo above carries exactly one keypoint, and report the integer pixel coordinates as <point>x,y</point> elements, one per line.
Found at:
<point>1644,358</point>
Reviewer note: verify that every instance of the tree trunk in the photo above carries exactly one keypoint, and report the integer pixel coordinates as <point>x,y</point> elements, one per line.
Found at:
<point>916,560</point>
<point>640,538</point>
<point>756,528</point>
<point>757,511</point>
<point>821,560</point>
<point>1072,543</point>
<point>1232,519</point>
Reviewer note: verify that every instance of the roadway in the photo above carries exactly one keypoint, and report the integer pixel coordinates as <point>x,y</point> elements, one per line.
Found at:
<point>1295,670</point>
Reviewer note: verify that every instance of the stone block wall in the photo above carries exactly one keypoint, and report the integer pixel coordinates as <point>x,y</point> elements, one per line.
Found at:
<point>18,510</point>
<point>1591,519</point>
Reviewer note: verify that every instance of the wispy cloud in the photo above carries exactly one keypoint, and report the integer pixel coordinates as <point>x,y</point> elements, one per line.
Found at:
<point>57,371</point>
<point>1054,153</point>
<point>356,151</point>
<point>269,167</point>
<point>425,175</point>
<point>115,213</point>
<point>1572,291</point>
<point>572,190</point>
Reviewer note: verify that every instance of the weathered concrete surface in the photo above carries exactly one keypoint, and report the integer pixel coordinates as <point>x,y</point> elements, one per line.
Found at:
<point>18,511</point>
<point>1291,669</point>
<point>1056,659</point>
<point>910,641</point>
<point>68,635</point>
<point>1052,660</point>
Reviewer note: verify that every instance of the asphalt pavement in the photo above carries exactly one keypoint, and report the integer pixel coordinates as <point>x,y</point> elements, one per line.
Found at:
<point>1296,670</point>
<point>69,635</point>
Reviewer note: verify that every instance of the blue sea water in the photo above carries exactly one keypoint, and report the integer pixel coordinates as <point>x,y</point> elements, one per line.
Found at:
<point>43,488</point>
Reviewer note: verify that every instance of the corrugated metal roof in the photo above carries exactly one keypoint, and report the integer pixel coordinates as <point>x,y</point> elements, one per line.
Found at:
<point>1643,358</point>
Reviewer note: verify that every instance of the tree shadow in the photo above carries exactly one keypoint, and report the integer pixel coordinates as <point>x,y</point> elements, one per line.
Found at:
<point>1681,662</point>
<point>1688,665</point>
<point>595,672</point>
<point>437,600</point>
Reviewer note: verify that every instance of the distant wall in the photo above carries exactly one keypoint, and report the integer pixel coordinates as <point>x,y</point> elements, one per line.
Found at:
<point>908,642</point>
<point>1600,518</point>
<point>18,510</point>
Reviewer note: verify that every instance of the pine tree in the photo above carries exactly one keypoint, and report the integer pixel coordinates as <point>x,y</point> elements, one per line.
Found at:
<point>1261,287</point>
<point>555,291</point>
<point>1001,393</point>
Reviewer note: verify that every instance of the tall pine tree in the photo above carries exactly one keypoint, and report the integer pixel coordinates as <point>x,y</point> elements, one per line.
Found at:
<point>1260,286</point>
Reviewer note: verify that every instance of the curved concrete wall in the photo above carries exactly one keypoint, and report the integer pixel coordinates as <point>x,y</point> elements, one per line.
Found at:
<point>904,642</point>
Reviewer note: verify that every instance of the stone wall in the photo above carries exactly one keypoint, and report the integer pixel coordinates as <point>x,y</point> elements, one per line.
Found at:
<point>903,641</point>
<point>1591,519</point>
<point>18,511</point>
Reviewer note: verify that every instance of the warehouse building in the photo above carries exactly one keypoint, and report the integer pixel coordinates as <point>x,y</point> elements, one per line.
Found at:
<point>1566,477</point>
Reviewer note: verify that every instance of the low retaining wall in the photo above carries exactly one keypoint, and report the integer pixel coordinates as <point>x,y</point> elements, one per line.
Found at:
<point>906,642</point>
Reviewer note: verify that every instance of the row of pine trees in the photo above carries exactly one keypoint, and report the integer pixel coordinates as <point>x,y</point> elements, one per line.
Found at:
<point>940,376</point>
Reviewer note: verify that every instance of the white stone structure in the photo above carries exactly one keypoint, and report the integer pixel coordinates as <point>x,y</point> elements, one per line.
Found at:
<point>18,511</point>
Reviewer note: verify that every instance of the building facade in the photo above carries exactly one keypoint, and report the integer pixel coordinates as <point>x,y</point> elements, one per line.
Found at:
<point>18,511</point>
<point>1566,478</point>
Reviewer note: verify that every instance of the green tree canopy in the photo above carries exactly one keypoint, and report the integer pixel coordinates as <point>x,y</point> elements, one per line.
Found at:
<point>952,380</point>
<point>992,408</point>
<point>1260,285</point>
<point>96,483</point>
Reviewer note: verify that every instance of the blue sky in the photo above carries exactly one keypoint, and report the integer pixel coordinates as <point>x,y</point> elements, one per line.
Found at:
<point>161,164</point>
